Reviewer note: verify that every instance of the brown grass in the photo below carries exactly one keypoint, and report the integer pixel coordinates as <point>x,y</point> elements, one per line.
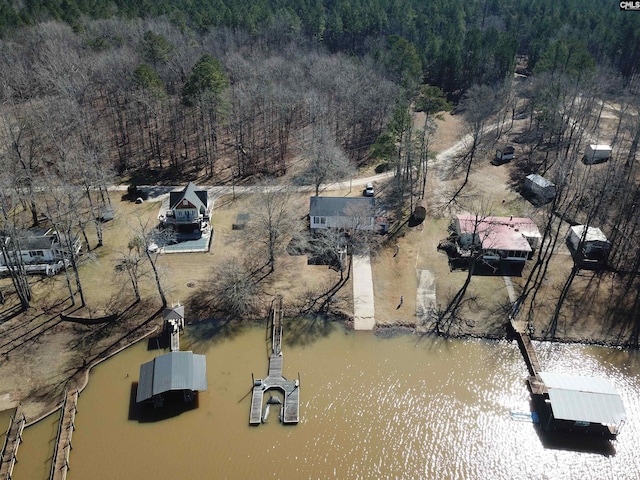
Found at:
<point>40,353</point>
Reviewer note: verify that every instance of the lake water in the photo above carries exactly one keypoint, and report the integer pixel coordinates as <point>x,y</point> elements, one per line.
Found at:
<point>404,407</point>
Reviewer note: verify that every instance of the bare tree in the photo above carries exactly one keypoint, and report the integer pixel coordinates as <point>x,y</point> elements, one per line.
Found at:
<point>272,222</point>
<point>326,162</point>
<point>234,289</point>
<point>10,243</point>
<point>475,251</point>
<point>479,106</point>
<point>147,241</point>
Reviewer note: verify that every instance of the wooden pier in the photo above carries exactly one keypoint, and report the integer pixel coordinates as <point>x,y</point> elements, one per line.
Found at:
<point>60,461</point>
<point>275,380</point>
<point>12,441</point>
<point>521,332</point>
<point>174,325</point>
<point>175,340</point>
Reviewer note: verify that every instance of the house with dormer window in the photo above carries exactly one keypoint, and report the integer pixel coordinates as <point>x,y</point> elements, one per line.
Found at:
<point>187,211</point>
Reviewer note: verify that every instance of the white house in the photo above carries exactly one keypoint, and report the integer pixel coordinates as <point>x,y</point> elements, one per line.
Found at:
<point>187,210</point>
<point>348,213</point>
<point>40,249</point>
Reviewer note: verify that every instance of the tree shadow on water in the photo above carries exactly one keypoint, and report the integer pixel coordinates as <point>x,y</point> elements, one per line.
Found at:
<point>204,333</point>
<point>301,331</point>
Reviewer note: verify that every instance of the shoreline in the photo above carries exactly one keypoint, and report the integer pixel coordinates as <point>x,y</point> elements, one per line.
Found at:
<point>83,376</point>
<point>389,330</point>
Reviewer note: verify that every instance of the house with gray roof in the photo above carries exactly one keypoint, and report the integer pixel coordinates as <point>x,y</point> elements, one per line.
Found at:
<point>347,213</point>
<point>39,249</point>
<point>187,210</point>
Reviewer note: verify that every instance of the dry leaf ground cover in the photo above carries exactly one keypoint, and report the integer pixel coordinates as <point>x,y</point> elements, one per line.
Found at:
<point>40,353</point>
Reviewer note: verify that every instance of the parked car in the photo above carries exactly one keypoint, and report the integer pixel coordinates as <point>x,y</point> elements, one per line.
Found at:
<point>368,190</point>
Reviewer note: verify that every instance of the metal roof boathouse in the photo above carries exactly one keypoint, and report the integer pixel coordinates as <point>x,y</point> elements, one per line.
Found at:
<point>174,371</point>
<point>570,402</point>
<point>590,404</point>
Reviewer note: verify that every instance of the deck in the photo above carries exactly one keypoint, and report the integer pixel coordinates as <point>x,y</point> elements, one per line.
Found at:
<point>12,441</point>
<point>275,379</point>
<point>60,461</point>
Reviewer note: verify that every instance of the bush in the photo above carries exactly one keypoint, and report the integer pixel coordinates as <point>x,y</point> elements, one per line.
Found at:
<point>383,167</point>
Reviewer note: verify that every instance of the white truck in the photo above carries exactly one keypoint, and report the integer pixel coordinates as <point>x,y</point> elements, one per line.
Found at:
<point>596,154</point>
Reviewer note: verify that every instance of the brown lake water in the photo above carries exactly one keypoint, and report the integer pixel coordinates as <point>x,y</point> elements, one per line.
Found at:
<point>371,408</point>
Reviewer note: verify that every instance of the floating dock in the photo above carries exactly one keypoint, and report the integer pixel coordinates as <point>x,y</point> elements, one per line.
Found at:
<point>290,412</point>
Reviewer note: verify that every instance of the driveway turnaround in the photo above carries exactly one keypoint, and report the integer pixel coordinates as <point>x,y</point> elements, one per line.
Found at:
<point>363,305</point>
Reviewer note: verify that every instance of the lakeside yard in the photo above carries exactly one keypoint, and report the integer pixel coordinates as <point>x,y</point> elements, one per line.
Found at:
<point>41,353</point>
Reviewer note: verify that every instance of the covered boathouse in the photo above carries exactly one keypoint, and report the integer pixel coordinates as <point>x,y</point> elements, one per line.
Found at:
<point>582,404</point>
<point>183,372</point>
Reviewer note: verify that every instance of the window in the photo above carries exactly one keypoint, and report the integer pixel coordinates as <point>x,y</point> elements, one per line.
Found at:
<point>36,253</point>
<point>320,220</point>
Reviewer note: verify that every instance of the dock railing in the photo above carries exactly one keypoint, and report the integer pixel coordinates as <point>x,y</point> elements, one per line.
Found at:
<point>12,441</point>
<point>62,449</point>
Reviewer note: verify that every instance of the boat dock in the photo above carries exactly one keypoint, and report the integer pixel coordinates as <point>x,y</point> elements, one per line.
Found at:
<point>12,441</point>
<point>521,332</point>
<point>60,460</point>
<point>275,380</point>
<point>175,340</point>
<point>174,325</point>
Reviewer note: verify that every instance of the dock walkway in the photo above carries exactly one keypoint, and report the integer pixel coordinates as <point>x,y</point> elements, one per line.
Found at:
<point>175,340</point>
<point>12,441</point>
<point>521,332</point>
<point>60,461</point>
<point>275,379</point>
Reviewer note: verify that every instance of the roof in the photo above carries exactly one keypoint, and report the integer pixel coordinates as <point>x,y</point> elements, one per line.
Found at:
<point>593,234</point>
<point>600,147</point>
<point>37,243</point>
<point>584,399</point>
<point>198,198</point>
<point>539,180</point>
<point>500,233</point>
<point>337,206</point>
<point>172,371</point>
<point>173,313</point>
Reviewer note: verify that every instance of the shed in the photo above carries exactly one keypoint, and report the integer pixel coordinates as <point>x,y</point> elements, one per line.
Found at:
<point>173,316</point>
<point>596,154</point>
<point>174,371</point>
<point>580,402</point>
<point>589,243</point>
<point>540,187</point>
<point>504,154</point>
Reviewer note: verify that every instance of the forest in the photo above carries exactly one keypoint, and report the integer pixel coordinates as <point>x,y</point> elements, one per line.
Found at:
<point>457,43</point>
<point>143,92</point>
